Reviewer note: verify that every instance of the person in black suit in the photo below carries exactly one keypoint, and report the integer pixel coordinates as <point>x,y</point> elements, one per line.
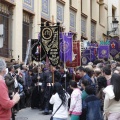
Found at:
<point>47,86</point>
<point>10,79</point>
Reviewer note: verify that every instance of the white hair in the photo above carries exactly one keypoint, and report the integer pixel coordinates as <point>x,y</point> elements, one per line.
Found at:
<point>97,70</point>
<point>2,64</point>
<point>90,63</point>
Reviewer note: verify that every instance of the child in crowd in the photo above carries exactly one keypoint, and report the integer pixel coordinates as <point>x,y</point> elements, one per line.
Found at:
<point>84,84</point>
<point>102,83</point>
<point>92,105</point>
<point>76,101</point>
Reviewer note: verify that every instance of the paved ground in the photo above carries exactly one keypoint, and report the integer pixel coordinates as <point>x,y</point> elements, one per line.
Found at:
<point>31,114</point>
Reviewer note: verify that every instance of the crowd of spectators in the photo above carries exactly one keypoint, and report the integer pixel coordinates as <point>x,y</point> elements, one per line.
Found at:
<point>89,92</point>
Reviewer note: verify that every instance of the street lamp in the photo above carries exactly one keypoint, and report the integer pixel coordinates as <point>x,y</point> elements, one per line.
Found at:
<point>114,26</point>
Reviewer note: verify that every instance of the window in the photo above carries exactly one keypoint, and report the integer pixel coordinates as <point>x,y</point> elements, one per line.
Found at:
<point>60,12</point>
<point>25,38</point>
<point>93,31</point>
<point>26,26</point>
<point>83,26</point>
<point>72,20</point>
<point>4,19</point>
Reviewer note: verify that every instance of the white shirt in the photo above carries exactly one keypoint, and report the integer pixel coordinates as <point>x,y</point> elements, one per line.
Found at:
<point>63,110</point>
<point>16,83</point>
<point>110,104</point>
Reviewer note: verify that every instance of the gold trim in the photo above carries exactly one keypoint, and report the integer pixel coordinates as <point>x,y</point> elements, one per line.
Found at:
<point>49,30</point>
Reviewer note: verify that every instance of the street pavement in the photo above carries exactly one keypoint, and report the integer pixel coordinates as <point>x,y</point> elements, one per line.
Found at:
<point>31,114</point>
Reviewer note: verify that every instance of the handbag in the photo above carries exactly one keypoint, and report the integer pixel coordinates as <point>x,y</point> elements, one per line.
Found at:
<point>55,111</point>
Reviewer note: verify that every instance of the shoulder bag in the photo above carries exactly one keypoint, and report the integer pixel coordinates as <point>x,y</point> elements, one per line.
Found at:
<point>56,111</point>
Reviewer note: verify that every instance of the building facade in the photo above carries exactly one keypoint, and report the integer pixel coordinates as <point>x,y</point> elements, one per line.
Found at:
<point>87,19</point>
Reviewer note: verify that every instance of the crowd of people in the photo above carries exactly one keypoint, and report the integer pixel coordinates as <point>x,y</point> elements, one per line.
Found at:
<point>89,92</point>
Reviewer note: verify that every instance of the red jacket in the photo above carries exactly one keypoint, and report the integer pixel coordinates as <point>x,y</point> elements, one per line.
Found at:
<point>5,103</point>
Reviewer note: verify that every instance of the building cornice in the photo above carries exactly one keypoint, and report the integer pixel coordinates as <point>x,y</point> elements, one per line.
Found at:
<point>94,21</point>
<point>45,20</point>
<point>106,6</point>
<point>84,15</point>
<point>61,1</point>
<point>72,8</point>
<point>101,25</point>
<point>85,38</point>
<point>9,2</point>
<point>100,3</point>
<point>28,11</point>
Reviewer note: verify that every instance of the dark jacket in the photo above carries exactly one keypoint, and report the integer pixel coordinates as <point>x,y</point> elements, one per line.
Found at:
<point>93,108</point>
<point>28,80</point>
<point>48,79</point>
<point>65,79</point>
<point>87,78</point>
<point>19,79</point>
<point>10,83</point>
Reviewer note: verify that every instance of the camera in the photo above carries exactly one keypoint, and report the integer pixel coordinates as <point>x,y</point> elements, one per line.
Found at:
<point>16,66</point>
<point>13,75</point>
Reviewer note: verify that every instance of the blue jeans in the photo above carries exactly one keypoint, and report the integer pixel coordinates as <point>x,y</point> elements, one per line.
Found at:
<point>59,118</point>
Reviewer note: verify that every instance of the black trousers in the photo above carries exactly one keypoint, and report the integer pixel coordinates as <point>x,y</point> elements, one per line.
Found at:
<point>35,97</point>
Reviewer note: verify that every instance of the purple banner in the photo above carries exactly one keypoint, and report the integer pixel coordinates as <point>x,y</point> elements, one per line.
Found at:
<point>119,46</point>
<point>66,47</point>
<point>114,47</point>
<point>103,51</point>
<point>93,47</point>
<point>86,57</point>
<point>93,54</point>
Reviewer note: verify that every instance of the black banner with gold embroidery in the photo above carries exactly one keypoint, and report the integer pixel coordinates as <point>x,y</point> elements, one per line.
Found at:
<point>50,43</point>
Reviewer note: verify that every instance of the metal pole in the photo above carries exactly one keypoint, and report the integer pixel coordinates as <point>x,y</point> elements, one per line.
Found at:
<point>64,59</point>
<point>53,80</point>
